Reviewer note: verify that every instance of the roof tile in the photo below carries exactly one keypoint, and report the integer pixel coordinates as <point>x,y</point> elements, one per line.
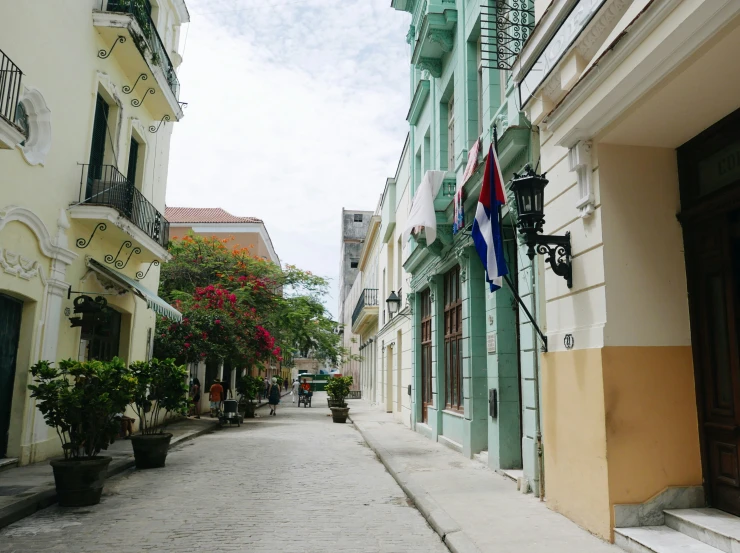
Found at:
<point>204,215</point>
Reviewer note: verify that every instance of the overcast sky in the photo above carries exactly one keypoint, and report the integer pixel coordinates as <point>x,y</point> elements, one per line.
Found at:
<point>296,109</point>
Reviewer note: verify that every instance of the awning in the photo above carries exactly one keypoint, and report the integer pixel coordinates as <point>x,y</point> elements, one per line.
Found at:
<point>153,301</point>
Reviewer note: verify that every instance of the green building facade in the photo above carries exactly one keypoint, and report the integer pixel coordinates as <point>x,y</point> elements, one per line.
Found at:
<point>469,345</point>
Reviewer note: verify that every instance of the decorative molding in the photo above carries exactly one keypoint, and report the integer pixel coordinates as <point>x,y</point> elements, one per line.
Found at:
<point>590,40</point>
<point>433,65</point>
<point>15,264</point>
<point>36,147</point>
<point>579,161</point>
<point>47,244</point>
<point>411,34</point>
<point>418,101</point>
<point>443,38</point>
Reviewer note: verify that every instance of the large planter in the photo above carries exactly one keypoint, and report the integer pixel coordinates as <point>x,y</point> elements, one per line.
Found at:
<point>339,414</point>
<point>80,482</point>
<point>247,409</point>
<point>150,451</point>
<point>335,403</point>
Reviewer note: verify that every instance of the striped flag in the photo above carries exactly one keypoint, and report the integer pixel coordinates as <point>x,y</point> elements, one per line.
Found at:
<point>486,228</point>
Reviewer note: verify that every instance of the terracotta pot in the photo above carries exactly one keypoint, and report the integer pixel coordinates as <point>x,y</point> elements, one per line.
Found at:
<point>79,482</point>
<point>247,409</point>
<point>339,414</point>
<point>150,451</point>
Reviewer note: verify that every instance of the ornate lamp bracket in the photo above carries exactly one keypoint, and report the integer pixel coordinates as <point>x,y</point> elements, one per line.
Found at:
<point>557,252</point>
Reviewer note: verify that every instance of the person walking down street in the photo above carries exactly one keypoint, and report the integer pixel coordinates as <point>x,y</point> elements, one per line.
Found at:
<point>266,388</point>
<point>285,384</point>
<point>216,393</point>
<point>294,391</point>
<point>195,398</point>
<point>274,396</point>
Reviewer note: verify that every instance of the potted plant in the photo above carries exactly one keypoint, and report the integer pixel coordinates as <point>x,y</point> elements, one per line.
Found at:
<point>249,388</point>
<point>161,389</point>
<point>81,401</point>
<point>338,389</point>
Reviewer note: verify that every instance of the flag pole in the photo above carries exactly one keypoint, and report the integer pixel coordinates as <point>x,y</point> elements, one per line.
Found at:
<point>507,277</point>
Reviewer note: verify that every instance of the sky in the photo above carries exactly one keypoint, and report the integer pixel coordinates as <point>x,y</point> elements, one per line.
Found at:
<point>296,109</point>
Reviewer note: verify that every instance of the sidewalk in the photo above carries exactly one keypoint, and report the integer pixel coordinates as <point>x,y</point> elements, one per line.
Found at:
<point>471,507</point>
<point>25,490</point>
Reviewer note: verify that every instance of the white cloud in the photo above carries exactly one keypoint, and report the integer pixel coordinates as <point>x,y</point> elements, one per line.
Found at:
<point>296,109</point>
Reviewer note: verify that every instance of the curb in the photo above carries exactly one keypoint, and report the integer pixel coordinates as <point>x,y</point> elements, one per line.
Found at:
<point>441,522</point>
<point>47,495</point>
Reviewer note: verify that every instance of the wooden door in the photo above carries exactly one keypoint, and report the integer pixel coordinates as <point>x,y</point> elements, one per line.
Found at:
<point>10,327</point>
<point>713,268</point>
<point>453,340</point>
<point>426,353</point>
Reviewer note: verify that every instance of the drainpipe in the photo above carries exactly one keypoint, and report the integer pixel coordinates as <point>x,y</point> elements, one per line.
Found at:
<point>538,429</point>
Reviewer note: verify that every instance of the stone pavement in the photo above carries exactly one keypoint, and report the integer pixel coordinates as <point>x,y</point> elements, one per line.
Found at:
<point>291,483</point>
<point>25,490</point>
<point>471,507</point>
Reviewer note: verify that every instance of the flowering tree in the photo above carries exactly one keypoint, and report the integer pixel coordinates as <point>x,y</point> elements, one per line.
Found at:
<point>240,308</point>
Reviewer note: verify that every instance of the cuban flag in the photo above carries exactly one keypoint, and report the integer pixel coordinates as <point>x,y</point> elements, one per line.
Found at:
<point>486,228</point>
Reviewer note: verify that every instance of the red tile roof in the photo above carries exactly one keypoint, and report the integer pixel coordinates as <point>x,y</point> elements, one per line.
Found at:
<point>204,215</point>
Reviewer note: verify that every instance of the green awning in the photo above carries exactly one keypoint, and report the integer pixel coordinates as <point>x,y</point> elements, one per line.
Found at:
<point>153,301</point>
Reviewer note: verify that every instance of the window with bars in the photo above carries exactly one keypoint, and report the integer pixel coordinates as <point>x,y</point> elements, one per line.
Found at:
<point>426,353</point>
<point>453,339</point>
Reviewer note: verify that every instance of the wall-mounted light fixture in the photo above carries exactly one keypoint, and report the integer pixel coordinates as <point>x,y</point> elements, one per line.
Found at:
<point>394,303</point>
<point>529,193</point>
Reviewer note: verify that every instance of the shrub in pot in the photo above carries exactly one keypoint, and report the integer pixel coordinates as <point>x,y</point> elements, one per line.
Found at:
<point>338,389</point>
<point>161,389</point>
<point>249,388</point>
<point>81,401</point>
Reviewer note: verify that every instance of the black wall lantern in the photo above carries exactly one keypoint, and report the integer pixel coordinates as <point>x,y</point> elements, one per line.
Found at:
<point>529,193</point>
<point>394,302</point>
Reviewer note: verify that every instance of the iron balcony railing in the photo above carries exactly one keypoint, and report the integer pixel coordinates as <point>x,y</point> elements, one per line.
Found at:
<point>369,296</point>
<point>141,10</point>
<point>105,185</point>
<point>10,88</point>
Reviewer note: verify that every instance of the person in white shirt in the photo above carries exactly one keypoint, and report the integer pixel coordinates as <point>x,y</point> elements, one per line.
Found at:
<point>294,391</point>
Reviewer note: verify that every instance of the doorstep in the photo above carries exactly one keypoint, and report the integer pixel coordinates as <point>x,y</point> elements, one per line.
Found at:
<point>8,463</point>
<point>27,489</point>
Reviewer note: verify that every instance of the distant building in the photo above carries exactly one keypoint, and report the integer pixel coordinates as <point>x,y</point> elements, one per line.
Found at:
<point>354,229</point>
<point>247,232</point>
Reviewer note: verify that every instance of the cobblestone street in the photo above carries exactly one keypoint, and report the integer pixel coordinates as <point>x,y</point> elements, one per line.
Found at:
<point>295,482</point>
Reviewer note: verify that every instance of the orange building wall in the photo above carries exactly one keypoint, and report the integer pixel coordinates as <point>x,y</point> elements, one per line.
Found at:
<point>251,240</point>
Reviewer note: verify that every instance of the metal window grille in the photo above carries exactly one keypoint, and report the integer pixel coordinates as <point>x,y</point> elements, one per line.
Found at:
<point>505,27</point>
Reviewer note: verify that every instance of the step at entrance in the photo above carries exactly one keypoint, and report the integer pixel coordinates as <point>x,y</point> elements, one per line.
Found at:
<point>685,531</point>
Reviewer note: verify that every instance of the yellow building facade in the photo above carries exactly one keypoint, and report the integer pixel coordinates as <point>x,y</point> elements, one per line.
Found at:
<point>88,108</point>
<point>636,105</point>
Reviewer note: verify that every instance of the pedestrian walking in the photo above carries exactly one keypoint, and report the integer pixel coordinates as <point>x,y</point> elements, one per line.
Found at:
<point>216,393</point>
<point>195,398</point>
<point>265,388</point>
<point>274,396</point>
<point>294,391</point>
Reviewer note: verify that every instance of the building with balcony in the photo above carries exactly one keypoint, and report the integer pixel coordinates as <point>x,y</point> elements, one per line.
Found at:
<point>86,116</point>
<point>471,352</point>
<point>637,110</point>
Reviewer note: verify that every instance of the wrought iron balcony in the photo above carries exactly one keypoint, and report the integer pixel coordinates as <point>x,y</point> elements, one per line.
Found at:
<point>10,88</point>
<point>104,185</point>
<point>368,299</point>
<point>141,11</point>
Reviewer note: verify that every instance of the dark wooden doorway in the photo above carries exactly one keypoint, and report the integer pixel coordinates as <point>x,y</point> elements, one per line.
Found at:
<point>426,353</point>
<point>709,169</point>
<point>10,329</point>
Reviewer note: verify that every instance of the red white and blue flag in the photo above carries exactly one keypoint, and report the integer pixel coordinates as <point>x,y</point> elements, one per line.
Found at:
<point>486,228</point>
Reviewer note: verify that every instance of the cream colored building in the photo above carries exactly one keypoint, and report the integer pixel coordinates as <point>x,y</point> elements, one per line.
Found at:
<point>86,115</point>
<point>637,106</point>
<point>241,232</point>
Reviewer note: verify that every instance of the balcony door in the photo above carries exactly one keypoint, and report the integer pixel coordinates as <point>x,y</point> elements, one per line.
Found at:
<point>97,149</point>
